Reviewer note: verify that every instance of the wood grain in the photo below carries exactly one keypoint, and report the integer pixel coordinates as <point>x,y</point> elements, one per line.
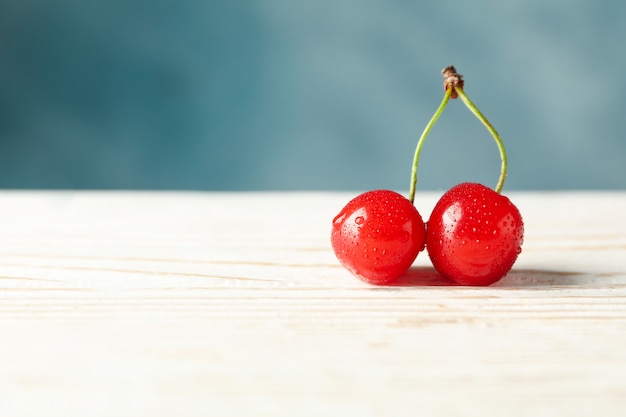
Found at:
<point>197,304</point>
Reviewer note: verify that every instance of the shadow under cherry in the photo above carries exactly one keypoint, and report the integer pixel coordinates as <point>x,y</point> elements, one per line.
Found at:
<point>427,276</point>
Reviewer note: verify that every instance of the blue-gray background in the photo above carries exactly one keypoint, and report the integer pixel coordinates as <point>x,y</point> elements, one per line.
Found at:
<point>311,94</point>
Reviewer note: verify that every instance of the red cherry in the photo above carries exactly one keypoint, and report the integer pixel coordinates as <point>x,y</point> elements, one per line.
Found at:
<point>474,235</point>
<point>378,235</point>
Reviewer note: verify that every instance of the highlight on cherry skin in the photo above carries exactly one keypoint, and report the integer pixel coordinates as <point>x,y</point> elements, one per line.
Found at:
<point>474,235</point>
<point>378,235</point>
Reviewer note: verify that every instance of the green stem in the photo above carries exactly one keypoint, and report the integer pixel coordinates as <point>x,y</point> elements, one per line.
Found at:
<point>420,142</point>
<point>491,130</point>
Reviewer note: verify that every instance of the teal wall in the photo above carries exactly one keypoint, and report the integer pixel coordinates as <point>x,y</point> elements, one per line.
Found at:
<point>312,94</point>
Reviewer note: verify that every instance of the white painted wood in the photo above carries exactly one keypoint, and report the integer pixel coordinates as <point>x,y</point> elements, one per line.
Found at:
<point>233,304</point>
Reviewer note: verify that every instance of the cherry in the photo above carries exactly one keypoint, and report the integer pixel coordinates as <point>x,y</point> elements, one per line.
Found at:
<point>474,235</point>
<point>378,235</point>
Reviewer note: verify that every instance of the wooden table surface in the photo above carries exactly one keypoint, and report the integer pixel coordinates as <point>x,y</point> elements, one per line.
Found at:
<point>233,304</point>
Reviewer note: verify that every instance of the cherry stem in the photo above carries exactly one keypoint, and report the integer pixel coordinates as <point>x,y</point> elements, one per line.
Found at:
<point>503,167</point>
<point>454,88</point>
<point>420,142</point>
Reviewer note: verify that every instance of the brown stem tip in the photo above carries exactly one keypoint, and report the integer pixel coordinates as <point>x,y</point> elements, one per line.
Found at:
<point>451,80</point>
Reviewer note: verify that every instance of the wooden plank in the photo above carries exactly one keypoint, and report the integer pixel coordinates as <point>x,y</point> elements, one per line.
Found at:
<point>195,304</point>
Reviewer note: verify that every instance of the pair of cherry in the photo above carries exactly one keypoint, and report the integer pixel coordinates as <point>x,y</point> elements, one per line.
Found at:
<point>473,236</point>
